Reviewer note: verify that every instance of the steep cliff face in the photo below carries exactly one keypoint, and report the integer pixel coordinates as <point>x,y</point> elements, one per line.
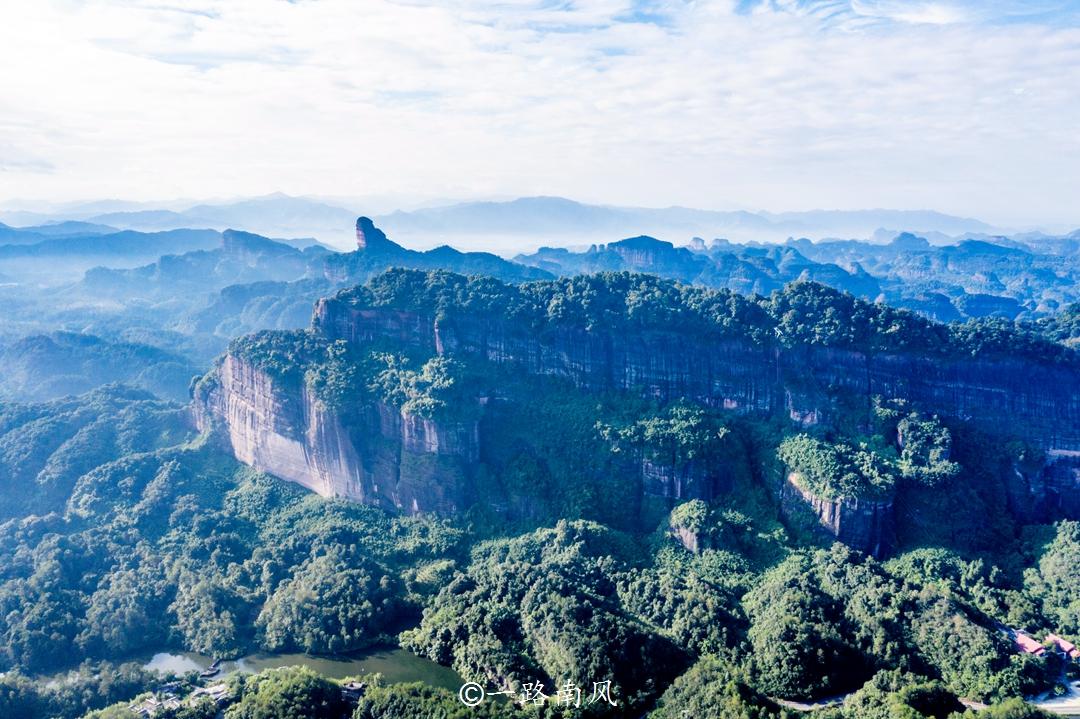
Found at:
<point>383,456</point>
<point>370,237</point>
<point>691,539</point>
<point>694,481</point>
<point>661,365</point>
<point>864,524</point>
<point>1052,490</point>
<point>379,455</point>
<point>1040,403</point>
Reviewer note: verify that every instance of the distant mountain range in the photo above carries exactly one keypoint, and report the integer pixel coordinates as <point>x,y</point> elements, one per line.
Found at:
<point>119,243</point>
<point>555,217</point>
<point>61,252</point>
<point>188,292</point>
<point>43,367</point>
<point>69,228</point>
<point>973,278</point>
<point>274,215</point>
<point>511,226</point>
<point>248,282</point>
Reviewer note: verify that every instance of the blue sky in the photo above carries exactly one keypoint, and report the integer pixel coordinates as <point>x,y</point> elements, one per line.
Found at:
<point>964,107</point>
<point>862,13</point>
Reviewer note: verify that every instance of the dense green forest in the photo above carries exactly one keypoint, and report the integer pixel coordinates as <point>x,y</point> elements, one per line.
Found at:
<point>800,313</point>
<point>236,560</point>
<point>123,531</point>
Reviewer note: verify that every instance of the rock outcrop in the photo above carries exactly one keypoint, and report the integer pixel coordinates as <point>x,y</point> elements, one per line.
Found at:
<point>690,539</point>
<point>1050,490</point>
<point>1038,402</point>
<point>370,237</point>
<point>694,481</point>
<point>382,456</point>
<point>860,523</point>
<point>375,253</point>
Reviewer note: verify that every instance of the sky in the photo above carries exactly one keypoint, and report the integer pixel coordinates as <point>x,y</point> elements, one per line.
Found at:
<point>964,107</point>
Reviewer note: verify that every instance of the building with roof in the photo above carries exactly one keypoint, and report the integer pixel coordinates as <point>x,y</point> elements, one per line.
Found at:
<point>1064,646</point>
<point>1028,644</point>
<point>152,705</point>
<point>219,693</point>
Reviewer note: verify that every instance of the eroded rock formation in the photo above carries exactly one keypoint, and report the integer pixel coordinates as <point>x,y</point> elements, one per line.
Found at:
<point>379,455</point>
<point>860,523</point>
<point>1040,403</point>
<point>382,456</point>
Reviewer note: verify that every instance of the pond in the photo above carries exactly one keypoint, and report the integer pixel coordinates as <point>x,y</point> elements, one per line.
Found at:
<point>396,665</point>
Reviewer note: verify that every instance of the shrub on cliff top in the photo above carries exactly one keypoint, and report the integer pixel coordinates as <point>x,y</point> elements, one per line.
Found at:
<point>281,354</point>
<point>674,437</point>
<point>835,471</point>
<point>690,515</point>
<point>802,313</point>
<point>435,388</point>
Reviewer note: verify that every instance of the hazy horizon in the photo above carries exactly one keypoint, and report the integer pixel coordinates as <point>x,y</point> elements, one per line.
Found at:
<point>431,358</point>
<point>93,205</point>
<point>788,105</point>
<point>506,226</point>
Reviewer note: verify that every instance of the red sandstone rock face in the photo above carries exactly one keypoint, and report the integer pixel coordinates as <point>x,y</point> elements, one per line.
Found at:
<point>863,524</point>
<point>368,236</point>
<point>688,538</point>
<point>387,458</point>
<point>1051,491</point>
<point>1036,402</point>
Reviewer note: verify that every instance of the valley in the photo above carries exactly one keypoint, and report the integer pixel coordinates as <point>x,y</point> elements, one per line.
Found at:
<point>616,464</point>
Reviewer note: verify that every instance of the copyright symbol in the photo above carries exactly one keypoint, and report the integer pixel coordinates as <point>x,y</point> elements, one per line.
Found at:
<point>471,694</point>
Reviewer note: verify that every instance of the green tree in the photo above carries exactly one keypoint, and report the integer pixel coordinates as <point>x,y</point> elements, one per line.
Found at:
<point>329,606</point>
<point>1055,580</point>
<point>288,693</point>
<point>715,688</point>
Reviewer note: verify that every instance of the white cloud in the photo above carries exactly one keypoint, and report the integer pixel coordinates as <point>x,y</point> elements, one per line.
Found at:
<point>783,104</point>
<point>908,11</point>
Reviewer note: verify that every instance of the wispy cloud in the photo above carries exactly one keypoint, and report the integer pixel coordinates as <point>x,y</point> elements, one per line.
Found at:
<point>12,159</point>
<point>861,13</point>
<point>961,106</point>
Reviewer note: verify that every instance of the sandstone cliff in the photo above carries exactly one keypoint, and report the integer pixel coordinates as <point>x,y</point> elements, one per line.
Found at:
<point>1040,403</point>
<point>379,455</point>
<point>863,524</point>
<point>383,457</point>
<point>1049,490</point>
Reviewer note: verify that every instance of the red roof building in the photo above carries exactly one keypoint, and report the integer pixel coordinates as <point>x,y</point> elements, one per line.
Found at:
<point>1067,648</point>
<point>1027,644</point>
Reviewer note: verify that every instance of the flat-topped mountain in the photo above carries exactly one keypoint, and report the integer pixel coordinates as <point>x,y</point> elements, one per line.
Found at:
<point>400,388</point>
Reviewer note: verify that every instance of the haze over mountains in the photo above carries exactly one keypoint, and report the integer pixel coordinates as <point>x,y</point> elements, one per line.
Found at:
<point>505,227</point>
<point>678,373</point>
<point>162,291</point>
<point>535,219</point>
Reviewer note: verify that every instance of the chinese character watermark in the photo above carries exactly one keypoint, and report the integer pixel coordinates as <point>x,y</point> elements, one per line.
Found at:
<point>533,692</point>
<point>601,691</point>
<point>568,694</point>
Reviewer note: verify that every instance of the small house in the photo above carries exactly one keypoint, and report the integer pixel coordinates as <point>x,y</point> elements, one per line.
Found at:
<point>218,693</point>
<point>1028,644</point>
<point>1065,647</point>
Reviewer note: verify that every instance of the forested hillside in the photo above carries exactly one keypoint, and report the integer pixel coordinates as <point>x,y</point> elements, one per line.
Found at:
<point>684,550</point>
<point>720,503</point>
